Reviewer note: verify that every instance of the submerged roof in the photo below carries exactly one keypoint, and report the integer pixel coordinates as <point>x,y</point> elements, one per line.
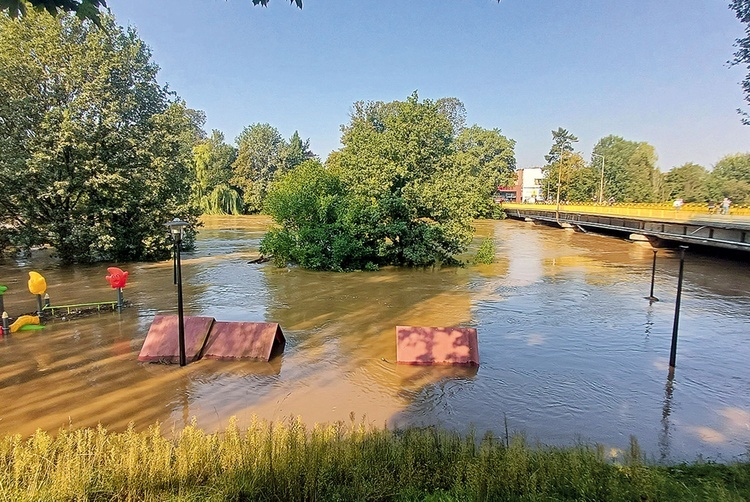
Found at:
<point>430,345</point>
<point>206,337</point>
<point>162,341</point>
<point>243,340</point>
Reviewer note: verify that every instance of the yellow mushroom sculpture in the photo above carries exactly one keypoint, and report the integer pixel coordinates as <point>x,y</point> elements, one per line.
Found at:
<point>37,283</point>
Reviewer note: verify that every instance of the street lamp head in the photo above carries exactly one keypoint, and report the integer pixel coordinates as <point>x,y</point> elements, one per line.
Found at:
<point>176,227</point>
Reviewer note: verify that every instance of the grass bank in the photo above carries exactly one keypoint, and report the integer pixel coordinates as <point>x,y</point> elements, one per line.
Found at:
<point>270,461</point>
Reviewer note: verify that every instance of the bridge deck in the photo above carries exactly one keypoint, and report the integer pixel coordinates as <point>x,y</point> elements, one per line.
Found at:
<point>656,223</point>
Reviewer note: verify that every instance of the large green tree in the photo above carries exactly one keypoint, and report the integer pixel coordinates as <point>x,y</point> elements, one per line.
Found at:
<point>213,191</point>
<point>562,161</point>
<point>95,154</point>
<point>489,159</point>
<point>688,181</point>
<point>261,156</point>
<point>319,225</point>
<point>399,157</point>
<point>394,194</point>
<point>630,173</point>
<point>731,178</point>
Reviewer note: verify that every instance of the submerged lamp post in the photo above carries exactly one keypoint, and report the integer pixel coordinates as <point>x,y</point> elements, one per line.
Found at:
<point>176,228</point>
<point>675,326</point>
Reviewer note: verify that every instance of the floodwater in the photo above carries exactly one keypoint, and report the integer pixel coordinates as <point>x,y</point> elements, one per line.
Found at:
<point>570,349</point>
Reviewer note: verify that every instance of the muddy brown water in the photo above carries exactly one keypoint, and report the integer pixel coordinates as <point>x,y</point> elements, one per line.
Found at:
<point>570,349</point>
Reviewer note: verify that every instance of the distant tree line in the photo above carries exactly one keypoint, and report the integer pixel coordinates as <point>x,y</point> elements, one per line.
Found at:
<point>620,170</point>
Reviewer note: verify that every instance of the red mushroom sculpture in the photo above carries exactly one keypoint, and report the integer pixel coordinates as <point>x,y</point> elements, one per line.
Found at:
<point>117,279</point>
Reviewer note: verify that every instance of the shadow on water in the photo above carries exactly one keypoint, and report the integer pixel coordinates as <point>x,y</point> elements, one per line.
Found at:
<point>569,347</point>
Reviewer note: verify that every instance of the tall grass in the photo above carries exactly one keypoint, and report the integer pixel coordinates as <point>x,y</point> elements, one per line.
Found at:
<point>272,461</point>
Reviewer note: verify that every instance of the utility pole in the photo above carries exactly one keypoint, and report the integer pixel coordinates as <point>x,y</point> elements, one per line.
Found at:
<point>559,172</point>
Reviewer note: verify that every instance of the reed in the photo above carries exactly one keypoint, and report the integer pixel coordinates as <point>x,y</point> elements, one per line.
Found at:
<point>289,461</point>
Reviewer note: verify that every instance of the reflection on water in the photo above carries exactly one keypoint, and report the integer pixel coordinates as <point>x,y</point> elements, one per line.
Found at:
<point>570,349</point>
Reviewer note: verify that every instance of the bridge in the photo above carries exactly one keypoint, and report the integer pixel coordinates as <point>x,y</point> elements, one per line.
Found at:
<point>660,224</point>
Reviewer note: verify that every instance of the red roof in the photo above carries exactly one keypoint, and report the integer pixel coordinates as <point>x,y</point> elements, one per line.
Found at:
<point>162,341</point>
<point>243,340</point>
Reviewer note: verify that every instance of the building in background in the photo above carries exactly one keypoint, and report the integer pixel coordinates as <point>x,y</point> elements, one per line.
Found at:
<point>528,187</point>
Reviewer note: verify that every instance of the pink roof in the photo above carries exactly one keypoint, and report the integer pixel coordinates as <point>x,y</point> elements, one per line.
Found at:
<point>425,345</point>
<point>243,340</point>
<point>162,341</point>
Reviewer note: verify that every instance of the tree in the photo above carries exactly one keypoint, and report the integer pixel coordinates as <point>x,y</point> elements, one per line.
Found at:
<point>455,111</point>
<point>213,191</point>
<point>296,151</point>
<point>398,157</point>
<point>562,141</point>
<point>561,161</point>
<point>96,155</point>
<point>84,9</point>
<point>488,157</point>
<point>688,181</point>
<point>319,225</point>
<point>260,157</point>
<point>630,173</point>
<point>742,56</point>
<point>731,178</point>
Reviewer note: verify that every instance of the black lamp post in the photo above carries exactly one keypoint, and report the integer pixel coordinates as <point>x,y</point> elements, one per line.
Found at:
<point>176,228</point>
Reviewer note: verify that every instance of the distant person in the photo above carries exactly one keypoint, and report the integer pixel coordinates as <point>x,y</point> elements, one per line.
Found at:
<point>725,205</point>
<point>678,204</point>
<point>611,201</point>
<point>711,207</point>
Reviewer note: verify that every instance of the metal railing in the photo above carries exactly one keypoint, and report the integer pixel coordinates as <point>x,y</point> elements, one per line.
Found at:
<point>652,211</point>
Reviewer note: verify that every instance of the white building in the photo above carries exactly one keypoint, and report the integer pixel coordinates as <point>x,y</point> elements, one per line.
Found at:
<point>530,181</point>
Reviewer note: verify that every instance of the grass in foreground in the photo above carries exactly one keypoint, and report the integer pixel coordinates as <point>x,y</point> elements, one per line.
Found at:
<point>289,462</point>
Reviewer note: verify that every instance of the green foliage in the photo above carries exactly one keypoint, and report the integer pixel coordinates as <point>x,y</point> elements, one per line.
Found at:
<point>486,253</point>
<point>84,9</point>
<point>688,181</point>
<point>488,158</point>
<point>212,191</point>
<point>630,173</point>
<point>320,226</point>
<point>289,461</point>
<point>96,156</point>
<point>731,178</point>
<point>742,56</point>
<point>562,141</point>
<point>398,159</point>
<point>262,156</point>
<point>402,191</point>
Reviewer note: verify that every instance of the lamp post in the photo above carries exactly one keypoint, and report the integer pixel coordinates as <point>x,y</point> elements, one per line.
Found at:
<point>601,183</point>
<point>559,172</point>
<point>176,228</point>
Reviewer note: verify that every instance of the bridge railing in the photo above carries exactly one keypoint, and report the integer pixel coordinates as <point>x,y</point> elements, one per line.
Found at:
<point>655,211</point>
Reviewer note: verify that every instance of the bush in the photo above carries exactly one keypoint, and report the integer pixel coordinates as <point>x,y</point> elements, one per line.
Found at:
<point>486,253</point>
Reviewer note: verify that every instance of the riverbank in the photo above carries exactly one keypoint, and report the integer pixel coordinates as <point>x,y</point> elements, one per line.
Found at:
<point>273,461</point>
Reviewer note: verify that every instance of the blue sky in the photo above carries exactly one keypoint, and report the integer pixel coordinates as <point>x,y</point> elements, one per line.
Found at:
<point>646,70</point>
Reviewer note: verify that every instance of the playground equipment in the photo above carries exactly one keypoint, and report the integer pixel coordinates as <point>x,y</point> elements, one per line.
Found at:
<point>24,320</point>
<point>117,279</point>
<point>38,287</point>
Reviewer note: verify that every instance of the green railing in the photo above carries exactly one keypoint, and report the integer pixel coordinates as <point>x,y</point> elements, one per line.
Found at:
<point>98,305</point>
